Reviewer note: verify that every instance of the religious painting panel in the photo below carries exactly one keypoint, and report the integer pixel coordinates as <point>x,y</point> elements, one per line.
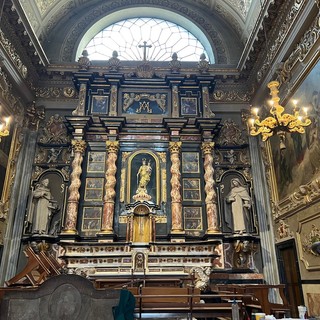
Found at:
<point>145,102</point>
<point>99,104</point>
<point>91,220</point>
<point>192,219</point>
<point>236,204</point>
<point>96,162</point>
<point>94,189</point>
<point>190,162</point>
<point>189,106</point>
<point>191,189</point>
<point>298,160</point>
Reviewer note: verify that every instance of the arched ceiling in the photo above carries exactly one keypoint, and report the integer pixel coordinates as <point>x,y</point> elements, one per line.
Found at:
<point>59,25</point>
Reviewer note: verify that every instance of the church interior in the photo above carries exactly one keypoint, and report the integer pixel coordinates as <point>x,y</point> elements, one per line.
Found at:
<point>169,147</point>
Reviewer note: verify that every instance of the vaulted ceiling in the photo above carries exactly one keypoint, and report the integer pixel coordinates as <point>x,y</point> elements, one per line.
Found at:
<point>250,39</point>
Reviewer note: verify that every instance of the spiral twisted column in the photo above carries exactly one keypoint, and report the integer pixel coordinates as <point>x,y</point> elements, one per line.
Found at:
<point>78,147</point>
<point>110,192</point>
<point>176,199</point>
<point>211,196</point>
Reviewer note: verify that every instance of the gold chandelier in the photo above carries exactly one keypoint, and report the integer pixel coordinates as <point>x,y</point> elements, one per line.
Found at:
<point>278,122</point>
<point>4,127</point>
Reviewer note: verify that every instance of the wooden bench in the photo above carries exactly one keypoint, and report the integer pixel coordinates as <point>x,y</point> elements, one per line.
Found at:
<point>259,299</point>
<point>176,302</point>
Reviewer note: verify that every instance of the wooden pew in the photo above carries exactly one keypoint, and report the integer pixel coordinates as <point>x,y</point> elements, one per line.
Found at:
<point>256,296</point>
<point>166,302</point>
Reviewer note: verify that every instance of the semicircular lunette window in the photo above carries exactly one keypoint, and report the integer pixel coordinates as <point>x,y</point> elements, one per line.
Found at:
<point>149,38</point>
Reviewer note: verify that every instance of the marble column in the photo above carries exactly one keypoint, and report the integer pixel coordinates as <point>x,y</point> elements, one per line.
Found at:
<point>110,192</point>
<point>176,199</point>
<point>211,196</point>
<point>264,213</point>
<point>17,206</point>
<point>25,151</point>
<point>70,227</point>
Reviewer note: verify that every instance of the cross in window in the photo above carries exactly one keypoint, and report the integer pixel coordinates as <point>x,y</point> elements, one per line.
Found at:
<point>144,46</point>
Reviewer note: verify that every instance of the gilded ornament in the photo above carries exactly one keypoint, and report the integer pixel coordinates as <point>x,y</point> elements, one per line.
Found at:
<point>34,116</point>
<point>230,134</point>
<point>162,156</point>
<point>15,58</point>
<point>175,146</point>
<point>112,146</point>
<point>69,92</point>
<point>207,147</point>
<point>54,131</point>
<point>79,146</point>
<point>311,241</point>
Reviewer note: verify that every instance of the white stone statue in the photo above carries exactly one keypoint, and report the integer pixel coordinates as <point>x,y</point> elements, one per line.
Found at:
<point>240,203</point>
<point>42,208</point>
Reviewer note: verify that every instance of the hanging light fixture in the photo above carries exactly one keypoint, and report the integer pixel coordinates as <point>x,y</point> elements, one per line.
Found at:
<point>279,122</point>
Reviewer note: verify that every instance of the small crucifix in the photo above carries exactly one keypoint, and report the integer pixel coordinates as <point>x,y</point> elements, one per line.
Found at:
<point>144,46</point>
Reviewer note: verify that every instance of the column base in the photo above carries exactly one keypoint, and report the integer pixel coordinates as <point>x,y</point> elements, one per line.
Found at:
<point>106,236</point>
<point>69,236</point>
<point>177,236</point>
<point>213,231</point>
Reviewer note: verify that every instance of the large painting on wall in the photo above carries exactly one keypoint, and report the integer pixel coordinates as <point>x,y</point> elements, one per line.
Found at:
<point>299,162</point>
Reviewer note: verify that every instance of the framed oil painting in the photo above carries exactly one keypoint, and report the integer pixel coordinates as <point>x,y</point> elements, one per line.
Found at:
<point>99,104</point>
<point>299,162</point>
<point>91,219</point>
<point>96,162</point>
<point>190,162</point>
<point>94,189</point>
<point>191,189</point>
<point>192,218</point>
<point>189,106</point>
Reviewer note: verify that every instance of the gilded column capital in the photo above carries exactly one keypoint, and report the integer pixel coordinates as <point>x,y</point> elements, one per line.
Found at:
<point>112,146</point>
<point>175,146</point>
<point>207,147</point>
<point>79,146</point>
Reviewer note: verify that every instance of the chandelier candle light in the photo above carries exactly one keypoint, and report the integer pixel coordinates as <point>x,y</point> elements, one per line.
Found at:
<point>278,122</point>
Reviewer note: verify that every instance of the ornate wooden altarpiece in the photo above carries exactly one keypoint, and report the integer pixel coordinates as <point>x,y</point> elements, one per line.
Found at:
<point>141,173</point>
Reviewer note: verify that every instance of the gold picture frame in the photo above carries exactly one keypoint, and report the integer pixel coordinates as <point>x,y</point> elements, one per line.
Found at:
<point>191,189</point>
<point>99,104</point>
<point>91,220</point>
<point>192,218</point>
<point>190,162</point>
<point>94,189</point>
<point>96,162</point>
<point>189,106</point>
